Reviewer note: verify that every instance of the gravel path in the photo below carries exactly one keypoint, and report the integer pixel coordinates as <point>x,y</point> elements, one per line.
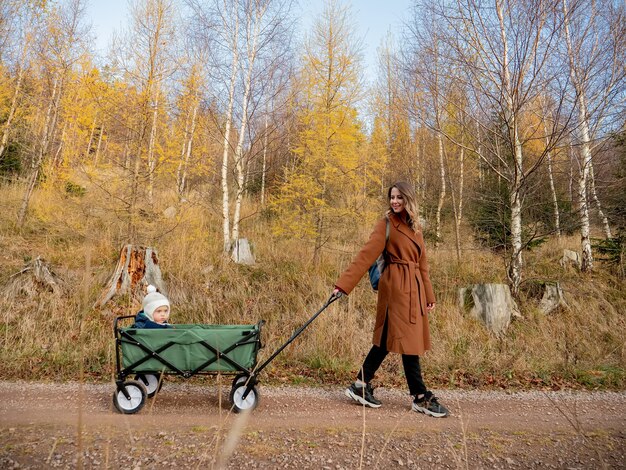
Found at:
<point>188,425</point>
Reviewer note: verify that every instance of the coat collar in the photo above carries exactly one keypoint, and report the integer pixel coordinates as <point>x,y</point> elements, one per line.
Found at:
<point>403,228</point>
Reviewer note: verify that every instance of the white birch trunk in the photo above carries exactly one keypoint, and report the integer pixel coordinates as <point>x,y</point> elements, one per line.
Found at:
<point>594,194</point>
<point>93,130</point>
<point>570,155</point>
<point>583,214</point>
<point>151,144</point>
<point>264,166</point>
<point>442,191</point>
<point>481,176</point>
<point>459,211</point>
<point>583,206</point>
<point>226,145</point>
<point>239,163</point>
<point>239,156</point>
<point>516,261</point>
<point>181,162</point>
<point>181,174</point>
<point>555,201</point>
<point>423,166</point>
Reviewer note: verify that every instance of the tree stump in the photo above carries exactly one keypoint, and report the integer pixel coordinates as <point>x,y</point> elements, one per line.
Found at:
<point>570,258</point>
<point>34,278</point>
<point>242,253</point>
<point>552,297</point>
<point>137,268</point>
<point>492,304</point>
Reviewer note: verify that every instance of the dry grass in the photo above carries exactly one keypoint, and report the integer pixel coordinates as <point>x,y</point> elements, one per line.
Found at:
<point>579,345</point>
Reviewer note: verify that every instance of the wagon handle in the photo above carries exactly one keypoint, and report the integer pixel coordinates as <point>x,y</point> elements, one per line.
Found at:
<point>333,297</point>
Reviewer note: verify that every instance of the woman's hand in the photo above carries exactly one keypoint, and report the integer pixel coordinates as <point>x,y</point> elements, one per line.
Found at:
<point>430,306</point>
<point>338,292</point>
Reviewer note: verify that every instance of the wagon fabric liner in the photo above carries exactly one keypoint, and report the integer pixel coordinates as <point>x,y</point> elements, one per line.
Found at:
<point>190,348</point>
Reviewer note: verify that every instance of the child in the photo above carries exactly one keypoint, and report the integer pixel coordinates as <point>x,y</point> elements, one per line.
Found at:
<point>155,312</point>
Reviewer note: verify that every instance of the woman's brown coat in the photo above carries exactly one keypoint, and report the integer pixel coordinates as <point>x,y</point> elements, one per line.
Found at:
<point>404,288</point>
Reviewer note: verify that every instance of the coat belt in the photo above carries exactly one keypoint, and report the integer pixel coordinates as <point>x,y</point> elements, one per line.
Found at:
<point>410,271</point>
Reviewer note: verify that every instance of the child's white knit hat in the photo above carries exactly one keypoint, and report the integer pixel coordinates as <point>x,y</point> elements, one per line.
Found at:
<point>152,301</point>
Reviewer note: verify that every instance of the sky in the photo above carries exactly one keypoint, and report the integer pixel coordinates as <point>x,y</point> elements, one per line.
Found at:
<point>373,19</point>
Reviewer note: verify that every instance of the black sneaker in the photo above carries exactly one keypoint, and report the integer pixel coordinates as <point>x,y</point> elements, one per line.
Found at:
<point>429,405</point>
<point>363,395</point>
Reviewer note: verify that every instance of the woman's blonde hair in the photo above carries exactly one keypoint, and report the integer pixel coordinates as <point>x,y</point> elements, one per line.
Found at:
<point>410,203</point>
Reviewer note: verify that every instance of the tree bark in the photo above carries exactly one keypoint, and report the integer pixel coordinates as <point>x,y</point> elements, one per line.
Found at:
<point>264,166</point>
<point>255,18</point>
<point>442,190</point>
<point>458,209</point>
<point>515,184</point>
<point>481,176</point>
<point>555,201</point>
<point>184,164</point>
<point>137,267</point>
<point>226,141</point>
<point>594,194</point>
<point>583,205</point>
<point>151,144</point>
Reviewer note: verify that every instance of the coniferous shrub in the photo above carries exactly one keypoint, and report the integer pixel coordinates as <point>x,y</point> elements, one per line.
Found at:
<point>613,252</point>
<point>10,162</point>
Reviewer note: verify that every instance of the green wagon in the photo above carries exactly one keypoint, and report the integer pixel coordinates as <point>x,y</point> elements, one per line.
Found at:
<point>188,350</point>
<point>185,350</point>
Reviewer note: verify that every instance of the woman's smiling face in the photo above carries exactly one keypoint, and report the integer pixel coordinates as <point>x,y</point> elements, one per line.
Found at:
<point>396,201</point>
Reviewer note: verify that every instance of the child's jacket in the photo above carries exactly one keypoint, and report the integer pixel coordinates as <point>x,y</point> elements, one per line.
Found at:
<point>142,321</point>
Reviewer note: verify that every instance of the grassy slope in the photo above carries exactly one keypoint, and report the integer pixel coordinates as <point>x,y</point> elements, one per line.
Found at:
<point>50,336</point>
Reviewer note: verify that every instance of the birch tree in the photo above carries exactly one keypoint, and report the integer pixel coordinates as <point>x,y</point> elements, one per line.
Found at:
<point>255,13</point>
<point>239,34</point>
<point>429,73</point>
<point>503,48</point>
<point>592,32</point>
<point>545,117</point>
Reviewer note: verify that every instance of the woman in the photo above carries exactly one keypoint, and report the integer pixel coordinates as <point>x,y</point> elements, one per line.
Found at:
<point>405,297</point>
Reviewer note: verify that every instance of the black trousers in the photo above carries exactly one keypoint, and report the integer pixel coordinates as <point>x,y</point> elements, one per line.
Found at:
<point>411,365</point>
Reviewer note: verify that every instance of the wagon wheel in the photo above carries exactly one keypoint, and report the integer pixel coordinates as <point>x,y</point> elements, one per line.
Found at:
<point>137,397</point>
<point>239,403</point>
<point>240,378</point>
<point>151,382</point>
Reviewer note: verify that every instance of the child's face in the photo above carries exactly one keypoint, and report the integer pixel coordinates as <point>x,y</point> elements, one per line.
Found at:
<point>161,314</point>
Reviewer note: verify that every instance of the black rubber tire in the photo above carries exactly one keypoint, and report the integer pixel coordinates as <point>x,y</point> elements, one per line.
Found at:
<point>243,378</point>
<point>138,396</point>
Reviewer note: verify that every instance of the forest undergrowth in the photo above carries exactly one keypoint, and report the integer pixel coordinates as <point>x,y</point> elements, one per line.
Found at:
<point>58,335</point>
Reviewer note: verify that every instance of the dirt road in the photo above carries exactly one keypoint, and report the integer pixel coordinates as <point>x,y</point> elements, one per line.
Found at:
<point>74,426</point>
